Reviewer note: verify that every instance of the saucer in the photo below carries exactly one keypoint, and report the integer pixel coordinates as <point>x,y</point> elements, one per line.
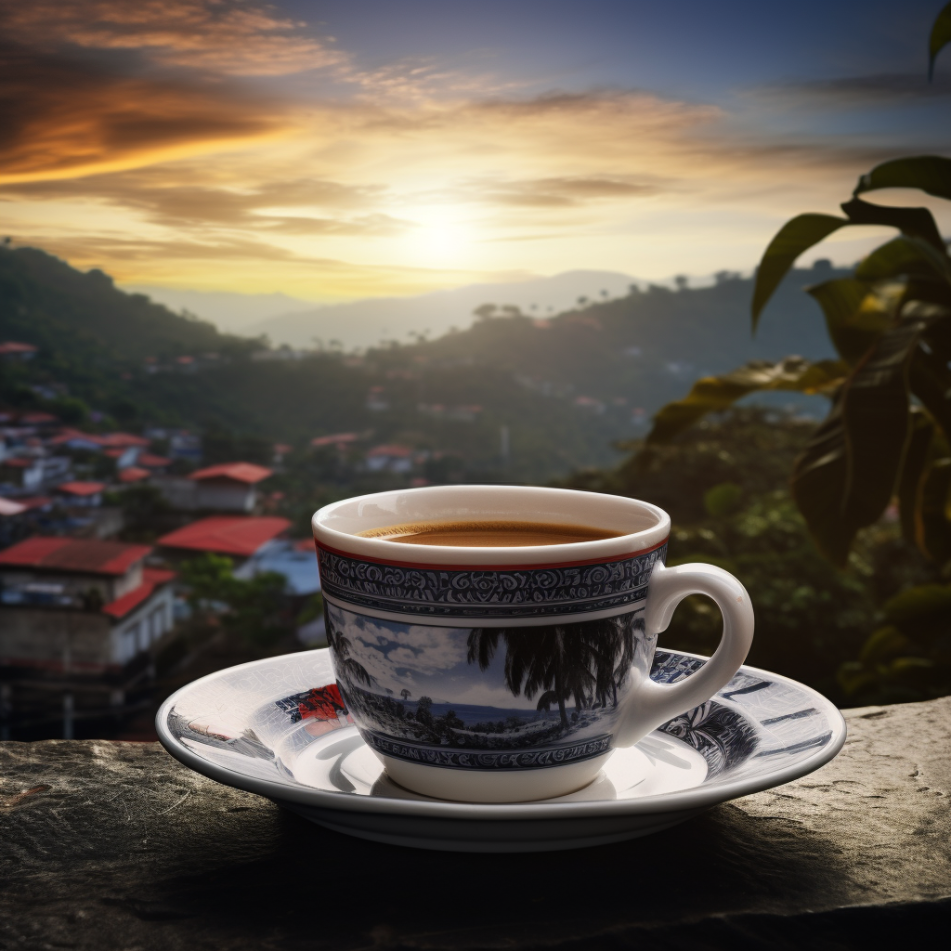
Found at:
<point>269,727</point>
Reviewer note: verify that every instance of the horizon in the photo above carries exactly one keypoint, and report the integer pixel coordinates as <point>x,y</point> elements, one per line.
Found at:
<point>246,147</point>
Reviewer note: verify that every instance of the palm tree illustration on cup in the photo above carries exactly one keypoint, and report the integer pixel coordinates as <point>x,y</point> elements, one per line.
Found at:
<point>510,673</point>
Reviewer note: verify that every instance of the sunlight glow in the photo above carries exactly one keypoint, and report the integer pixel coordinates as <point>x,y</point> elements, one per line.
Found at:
<point>441,238</point>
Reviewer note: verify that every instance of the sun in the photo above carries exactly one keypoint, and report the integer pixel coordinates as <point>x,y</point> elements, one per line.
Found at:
<point>440,238</point>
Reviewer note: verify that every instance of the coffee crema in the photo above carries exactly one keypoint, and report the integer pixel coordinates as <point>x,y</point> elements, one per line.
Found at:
<point>488,534</point>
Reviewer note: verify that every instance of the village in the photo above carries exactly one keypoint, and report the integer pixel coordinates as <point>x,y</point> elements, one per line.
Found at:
<point>87,615</point>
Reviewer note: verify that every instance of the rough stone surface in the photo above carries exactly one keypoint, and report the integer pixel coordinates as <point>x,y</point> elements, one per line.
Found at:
<point>115,845</point>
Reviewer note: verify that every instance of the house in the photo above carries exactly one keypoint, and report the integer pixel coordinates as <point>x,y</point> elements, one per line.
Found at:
<point>392,458</point>
<point>80,623</point>
<point>152,462</point>
<point>337,441</point>
<point>239,536</point>
<point>13,350</point>
<point>229,487</point>
<point>295,560</point>
<point>81,493</point>
<point>21,473</point>
<point>133,474</point>
<point>123,456</point>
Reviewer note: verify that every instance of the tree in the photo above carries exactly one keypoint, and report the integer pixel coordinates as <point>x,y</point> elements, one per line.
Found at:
<point>888,431</point>
<point>346,665</point>
<point>405,694</point>
<point>251,609</point>
<point>580,660</point>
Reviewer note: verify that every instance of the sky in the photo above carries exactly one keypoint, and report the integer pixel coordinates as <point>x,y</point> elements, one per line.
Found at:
<point>334,151</point>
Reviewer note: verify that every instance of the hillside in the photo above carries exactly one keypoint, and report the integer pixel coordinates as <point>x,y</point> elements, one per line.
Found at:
<point>137,364</point>
<point>364,323</point>
<point>562,388</point>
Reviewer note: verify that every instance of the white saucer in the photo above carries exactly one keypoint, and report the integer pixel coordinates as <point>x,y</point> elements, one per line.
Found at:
<point>253,727</point>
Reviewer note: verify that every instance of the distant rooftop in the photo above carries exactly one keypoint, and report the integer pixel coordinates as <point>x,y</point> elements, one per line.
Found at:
<point>152,578</point>
<point>238,471</point>
<point>10,347</point>
<point>81,488</point>
<point>133,474</point>
<point>227,534</point>
<point>335,440</point>
<point>80,555</point>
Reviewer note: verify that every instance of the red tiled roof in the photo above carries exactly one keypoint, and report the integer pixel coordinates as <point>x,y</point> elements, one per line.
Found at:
<point>37,502</point>
<point>81,555</point>
<point>35,419</point>
<point>11,346</point>
<point>133,474</point>
<point>17,463</point>
<point>282,447</point>
<point>227,534</point>
<point>121,440</point>
<point>81,488</point>
<point>110,440</point>
<point>115,453</point>
<point>239,471</point>
<point>153,462</point>
<point>305,544</point>
<point>152,578</point>
<point>335,440</point>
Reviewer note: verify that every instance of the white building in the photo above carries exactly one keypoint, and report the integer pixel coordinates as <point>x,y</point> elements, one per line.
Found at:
<point>80,623</point>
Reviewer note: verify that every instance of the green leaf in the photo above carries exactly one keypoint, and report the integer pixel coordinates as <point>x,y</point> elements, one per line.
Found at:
<point>712,394</point>
<point>933,533</point>
<point>856,315</point>
<point>849,470</point>
<point>911,481</point>
<point>928,173</point>
<point>930,381</point>
<point>915,222</point>
<point>940,37</point>
<point>921,604</point>
<point>791,240</point>
<point>904,255</point>
<point>722,499</point>
<point>885,644</point>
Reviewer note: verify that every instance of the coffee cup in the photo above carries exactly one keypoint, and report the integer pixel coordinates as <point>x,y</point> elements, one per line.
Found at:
<point>508,673</point>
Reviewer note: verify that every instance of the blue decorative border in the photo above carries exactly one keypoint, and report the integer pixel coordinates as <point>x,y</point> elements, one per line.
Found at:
<point>490,760</point>
<point>475,593</point>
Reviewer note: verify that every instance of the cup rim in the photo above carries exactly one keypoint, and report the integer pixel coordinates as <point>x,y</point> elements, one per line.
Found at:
<point>599,509</point>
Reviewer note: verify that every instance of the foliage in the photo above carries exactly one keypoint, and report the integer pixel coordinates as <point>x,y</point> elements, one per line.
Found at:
<point>251,609</point>
<point>888,430</point>
<point>724,481</point>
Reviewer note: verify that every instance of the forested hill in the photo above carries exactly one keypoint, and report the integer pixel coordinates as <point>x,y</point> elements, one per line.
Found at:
<point>565,387</point>
<point>649,345</point>
<point>46,302</point>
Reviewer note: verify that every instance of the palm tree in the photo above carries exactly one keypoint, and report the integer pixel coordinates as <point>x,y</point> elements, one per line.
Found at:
<point>344,663</point>
<point>587,660</point>
<point>551,659</point>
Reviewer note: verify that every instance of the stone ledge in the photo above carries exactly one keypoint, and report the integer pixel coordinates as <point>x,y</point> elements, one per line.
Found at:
<point>115,845</point>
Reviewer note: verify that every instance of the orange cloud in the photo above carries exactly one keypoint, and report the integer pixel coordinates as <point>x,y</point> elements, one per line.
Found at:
<point>224,36</point>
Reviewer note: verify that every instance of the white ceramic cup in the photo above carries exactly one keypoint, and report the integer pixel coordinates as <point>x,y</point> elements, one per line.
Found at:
<point>510,674</point>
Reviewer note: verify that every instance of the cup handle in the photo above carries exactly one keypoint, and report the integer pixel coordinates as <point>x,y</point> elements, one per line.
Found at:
<point>652,704</point>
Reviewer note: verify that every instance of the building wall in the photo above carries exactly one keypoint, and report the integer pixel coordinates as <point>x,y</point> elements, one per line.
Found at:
<point>141,629</point>
<point>85,641</point>
<point>51,638</point>
<point>75,585</point>
<point>225,495</point>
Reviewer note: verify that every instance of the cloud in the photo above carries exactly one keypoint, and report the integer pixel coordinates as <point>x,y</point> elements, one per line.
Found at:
<point>565,192</point>
<point>161,198</point>
<point>873,90</point>
<point>226,37</point>
<point>67,116</point>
